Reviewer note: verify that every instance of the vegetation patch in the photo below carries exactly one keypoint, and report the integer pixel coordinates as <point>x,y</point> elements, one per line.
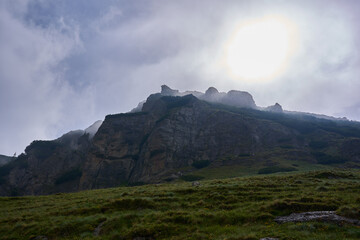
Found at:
<point>233,208</point>
<point>132,184</point>
<point>323,158</point>
<point>190,178</point>
<point>334,175</point>
<point>275,169</point>
<point>129,204</point>
<point>201,164</point>
<point>352,211</point>
<point>288,206</point>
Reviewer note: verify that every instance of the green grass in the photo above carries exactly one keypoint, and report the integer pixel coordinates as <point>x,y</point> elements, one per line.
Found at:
<point>252,168</point>
<point>233,208</point>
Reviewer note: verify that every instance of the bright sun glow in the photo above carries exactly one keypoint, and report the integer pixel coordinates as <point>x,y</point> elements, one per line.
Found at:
<point>259,50</point>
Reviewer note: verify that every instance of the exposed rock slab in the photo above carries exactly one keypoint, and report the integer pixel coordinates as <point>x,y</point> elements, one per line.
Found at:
<point>322,216</point>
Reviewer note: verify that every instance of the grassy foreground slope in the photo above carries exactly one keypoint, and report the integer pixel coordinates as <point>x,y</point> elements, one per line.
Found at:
<point>236,208</point>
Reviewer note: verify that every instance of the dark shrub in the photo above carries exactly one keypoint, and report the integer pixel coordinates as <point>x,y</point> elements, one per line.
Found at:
<point>201,164</point>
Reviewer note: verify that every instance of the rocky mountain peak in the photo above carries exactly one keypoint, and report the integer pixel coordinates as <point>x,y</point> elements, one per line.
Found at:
<point>93,128</point>
<point>275,108</point>
<point>166,91</point>
<point>239,99</point>
<point>211,91</point>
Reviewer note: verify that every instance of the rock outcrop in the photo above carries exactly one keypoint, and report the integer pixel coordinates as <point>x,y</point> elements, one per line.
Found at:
<point>322,216</point>
<point>166,91</point>
<point>232,98</point>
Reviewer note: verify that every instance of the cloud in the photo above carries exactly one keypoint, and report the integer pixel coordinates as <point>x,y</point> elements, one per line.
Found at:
<point>66,64</point>
<point>31,92</point>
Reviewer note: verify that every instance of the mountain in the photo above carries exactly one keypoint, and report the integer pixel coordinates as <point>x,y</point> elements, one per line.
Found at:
<point>177,135</point>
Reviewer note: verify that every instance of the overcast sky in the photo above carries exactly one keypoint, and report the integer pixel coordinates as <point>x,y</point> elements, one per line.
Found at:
<point>65,64</point>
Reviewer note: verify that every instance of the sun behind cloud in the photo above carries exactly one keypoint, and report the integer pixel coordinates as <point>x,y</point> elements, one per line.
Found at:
<point>258,50</point>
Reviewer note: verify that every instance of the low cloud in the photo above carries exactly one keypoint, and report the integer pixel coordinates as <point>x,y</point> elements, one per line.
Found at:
<point>66,64</point>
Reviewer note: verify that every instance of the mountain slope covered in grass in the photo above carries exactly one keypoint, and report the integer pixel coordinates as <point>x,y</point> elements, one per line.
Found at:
<point>235,208</point>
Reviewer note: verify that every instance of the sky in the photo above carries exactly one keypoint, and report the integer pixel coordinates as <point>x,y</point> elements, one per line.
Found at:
<point>65,64</point>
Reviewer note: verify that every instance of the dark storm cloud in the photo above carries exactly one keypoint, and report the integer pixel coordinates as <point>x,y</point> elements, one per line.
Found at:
<point>66,64</point>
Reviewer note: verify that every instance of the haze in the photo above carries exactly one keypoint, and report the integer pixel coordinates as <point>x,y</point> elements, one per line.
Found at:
<point>65,64</point>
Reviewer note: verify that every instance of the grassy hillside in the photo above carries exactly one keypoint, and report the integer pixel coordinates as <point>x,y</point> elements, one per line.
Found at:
<point>234,208</point>
<point>252,166</point>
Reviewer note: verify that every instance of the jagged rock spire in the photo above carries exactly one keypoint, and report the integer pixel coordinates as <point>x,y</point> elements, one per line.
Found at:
<point>166,91</point>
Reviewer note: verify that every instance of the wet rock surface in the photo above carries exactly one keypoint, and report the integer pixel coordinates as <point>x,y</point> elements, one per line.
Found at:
<point>322,216</point>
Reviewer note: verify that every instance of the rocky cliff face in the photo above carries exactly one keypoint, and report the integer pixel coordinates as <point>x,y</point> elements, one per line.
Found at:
<point>172,133</point>
<point>48,166</point>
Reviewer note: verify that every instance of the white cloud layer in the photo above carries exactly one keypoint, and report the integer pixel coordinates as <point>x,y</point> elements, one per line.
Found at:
<point>65,64</point>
